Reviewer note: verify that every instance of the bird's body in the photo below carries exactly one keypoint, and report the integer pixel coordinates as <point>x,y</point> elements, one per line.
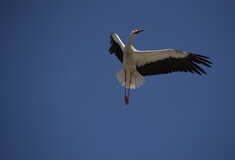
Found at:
<point>137,64</point>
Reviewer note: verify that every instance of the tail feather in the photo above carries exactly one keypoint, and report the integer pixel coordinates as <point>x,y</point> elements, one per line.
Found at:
<point>137,79</point>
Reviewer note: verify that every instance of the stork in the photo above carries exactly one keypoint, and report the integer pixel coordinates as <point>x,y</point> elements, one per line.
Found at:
<point>137,64</point>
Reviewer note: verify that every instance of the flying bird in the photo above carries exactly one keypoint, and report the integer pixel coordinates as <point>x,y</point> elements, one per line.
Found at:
<point>137,64</point>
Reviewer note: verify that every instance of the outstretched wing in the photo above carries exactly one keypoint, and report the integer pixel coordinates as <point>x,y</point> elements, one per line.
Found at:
<point>169,60</point>
<point>117,46</point>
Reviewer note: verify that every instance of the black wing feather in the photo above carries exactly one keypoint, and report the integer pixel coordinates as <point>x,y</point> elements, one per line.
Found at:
<point>116,49</point>
<point>171,64</point>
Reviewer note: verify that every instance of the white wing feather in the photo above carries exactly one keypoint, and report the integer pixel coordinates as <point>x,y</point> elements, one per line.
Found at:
<point>145,57</point>
<point>118,40</point>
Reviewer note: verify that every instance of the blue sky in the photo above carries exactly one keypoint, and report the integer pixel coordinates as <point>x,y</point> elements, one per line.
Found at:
<point>60,98</point>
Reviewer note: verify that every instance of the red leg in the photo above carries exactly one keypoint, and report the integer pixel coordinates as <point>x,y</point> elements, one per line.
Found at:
<point>129,90</point>
<point>125,97</point>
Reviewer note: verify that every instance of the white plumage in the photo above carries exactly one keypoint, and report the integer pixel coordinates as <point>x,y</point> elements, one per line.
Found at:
<point>137,64</point>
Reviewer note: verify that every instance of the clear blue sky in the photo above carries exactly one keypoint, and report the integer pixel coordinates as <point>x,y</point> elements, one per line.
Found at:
<point>60,99</point>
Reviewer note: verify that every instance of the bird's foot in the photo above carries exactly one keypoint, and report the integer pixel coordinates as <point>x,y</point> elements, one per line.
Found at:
<point>126,100</point>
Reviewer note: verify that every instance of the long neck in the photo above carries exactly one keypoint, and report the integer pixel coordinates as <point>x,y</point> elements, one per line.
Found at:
<point>130,40</point>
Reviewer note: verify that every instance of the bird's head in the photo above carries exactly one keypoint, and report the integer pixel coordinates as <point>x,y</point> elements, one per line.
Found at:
<point>136,31</point>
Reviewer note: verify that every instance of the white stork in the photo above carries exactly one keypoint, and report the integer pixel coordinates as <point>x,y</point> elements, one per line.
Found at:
<point>137,64</point>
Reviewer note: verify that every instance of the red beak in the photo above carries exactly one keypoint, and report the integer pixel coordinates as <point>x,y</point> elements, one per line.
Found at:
<point>138,31</point>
